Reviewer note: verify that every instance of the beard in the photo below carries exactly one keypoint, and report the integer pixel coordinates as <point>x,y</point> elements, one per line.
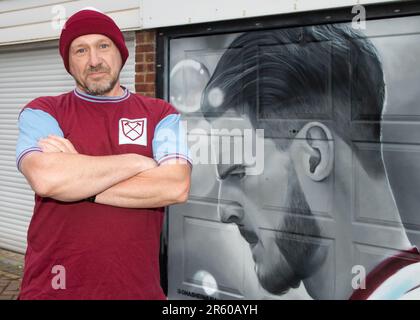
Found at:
<point>274,272</point>
<point>299,256</point>
<point>100,87</point>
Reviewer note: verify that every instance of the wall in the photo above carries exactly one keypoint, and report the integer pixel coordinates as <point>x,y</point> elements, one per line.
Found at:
<point>152,15</point>
<point>28,21</point>
<point>145,81</point>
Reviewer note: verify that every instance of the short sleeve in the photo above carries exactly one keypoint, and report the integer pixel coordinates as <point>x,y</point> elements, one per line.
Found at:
<point>170,140</point>
<point>33,125</point>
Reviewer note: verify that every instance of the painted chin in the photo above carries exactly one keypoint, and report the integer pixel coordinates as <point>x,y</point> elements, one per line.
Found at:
<point>272,270</point>
<point>275,283</point>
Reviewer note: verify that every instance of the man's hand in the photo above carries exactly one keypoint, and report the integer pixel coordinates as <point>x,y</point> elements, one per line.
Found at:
<point>170,184</point>
<point>56,144</point>
<point>165,185</point>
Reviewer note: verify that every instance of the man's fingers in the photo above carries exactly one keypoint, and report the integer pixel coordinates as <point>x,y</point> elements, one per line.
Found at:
<point>47,147</point>
<point>64,142</point>
<point>57,144</point>
<point>50,146</point>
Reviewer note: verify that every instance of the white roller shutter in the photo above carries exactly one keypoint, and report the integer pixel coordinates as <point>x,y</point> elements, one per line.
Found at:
<point>26,72</point>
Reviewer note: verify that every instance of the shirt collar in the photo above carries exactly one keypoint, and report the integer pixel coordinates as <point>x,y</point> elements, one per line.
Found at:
<point>101,99</point>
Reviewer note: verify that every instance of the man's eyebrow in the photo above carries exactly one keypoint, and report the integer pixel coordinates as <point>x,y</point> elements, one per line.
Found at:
<point>74,46</point>
<point>96,42</point>
<point>103,40</point>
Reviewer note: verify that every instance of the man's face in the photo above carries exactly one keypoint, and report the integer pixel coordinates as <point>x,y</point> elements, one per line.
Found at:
<point>280,260</point>
<point>95,63</point>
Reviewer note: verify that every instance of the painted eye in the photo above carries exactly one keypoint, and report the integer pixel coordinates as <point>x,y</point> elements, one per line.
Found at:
<point>224,171</point>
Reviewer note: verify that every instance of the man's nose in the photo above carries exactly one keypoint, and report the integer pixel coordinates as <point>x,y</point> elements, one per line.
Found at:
<point>94,58</point>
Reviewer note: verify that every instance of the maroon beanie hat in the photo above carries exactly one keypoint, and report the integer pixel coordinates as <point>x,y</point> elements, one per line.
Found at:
<point>90,22</point>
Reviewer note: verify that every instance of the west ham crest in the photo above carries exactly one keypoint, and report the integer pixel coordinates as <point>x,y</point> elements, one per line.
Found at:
<point>133,131</point>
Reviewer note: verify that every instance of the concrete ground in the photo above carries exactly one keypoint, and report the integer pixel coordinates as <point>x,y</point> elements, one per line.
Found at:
<point>11,269</point>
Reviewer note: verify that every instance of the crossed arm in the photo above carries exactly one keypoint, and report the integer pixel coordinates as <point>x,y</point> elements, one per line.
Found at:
<point>128,180</point>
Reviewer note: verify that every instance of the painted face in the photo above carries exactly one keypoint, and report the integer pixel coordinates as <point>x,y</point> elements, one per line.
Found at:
<point>95,63</point>
<point>276,238</point>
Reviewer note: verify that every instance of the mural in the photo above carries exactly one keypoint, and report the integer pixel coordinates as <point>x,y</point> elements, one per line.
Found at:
<point>321,204</point>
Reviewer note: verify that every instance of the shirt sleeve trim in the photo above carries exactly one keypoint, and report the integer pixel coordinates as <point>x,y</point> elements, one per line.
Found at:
<point>174,156</point>
<point>24,153</point>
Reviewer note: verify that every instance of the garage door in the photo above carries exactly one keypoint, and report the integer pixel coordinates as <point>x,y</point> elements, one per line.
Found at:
<point>295,229</point>
<point>26,72</point>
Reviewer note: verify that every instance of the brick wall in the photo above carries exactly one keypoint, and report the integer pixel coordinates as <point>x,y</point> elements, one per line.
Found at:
<point>145,81</point>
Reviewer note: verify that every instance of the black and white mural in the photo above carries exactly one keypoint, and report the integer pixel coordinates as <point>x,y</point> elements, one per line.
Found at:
<point>306,183</point>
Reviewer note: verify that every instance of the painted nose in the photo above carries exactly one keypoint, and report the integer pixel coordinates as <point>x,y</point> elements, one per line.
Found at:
<point>231,213</point>
<point>229,207</point>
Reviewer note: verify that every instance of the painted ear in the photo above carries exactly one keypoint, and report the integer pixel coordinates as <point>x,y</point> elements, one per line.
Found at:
<point>313,151</point>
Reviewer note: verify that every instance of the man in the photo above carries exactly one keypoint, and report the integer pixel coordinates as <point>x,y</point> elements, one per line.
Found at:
<point>103,163</point>
<point>305,87</point>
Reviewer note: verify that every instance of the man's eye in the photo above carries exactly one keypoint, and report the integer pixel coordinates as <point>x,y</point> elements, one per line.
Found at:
<point>81,50</point>
<point>104,45</point>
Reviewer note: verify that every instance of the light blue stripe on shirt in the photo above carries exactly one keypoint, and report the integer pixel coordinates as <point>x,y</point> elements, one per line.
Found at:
<point>170,140</point>
<point>34,125</point>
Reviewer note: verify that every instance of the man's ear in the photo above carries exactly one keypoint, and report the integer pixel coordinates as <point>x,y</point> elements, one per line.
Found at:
<point>312,151</point>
